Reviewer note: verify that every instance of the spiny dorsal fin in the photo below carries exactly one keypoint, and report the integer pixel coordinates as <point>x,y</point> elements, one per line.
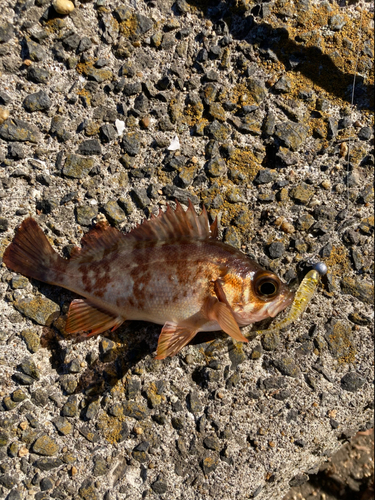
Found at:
<point>176,224</point>
<point>101,236</point>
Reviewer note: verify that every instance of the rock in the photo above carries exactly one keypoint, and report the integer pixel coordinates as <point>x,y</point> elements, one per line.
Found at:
<point>216,167</point>
<point>140,197</point>
<point>114,212</point>
<point>135,410</point>
<point>302,193</point>
<point>337,22</point>
<point>108,133</point>
<point>63,426</point>
<point>23,379</point>
<point>339,338</point>
<point>257,89</point>
<point>35,51</point>
<point>70,408</point>
<point>6,32</point>
<point>298,480</point>
<point>218,131</point>
<point>131,144</point>
<point>352,382</point>
<point>209,464</point>
<point>276,250</point>
<point>265,176</point>
<point>283,85</point>
<point>358,289</point>
<point>7,481</point>
<point>14,129</point>
<point>4,225</point>
<point>132,88</point>
<point>365,133</point>
<point>45,446</point>
<point>76,166</point>
<point>87,490</point>
<point>63,7</point>
<point>85,214</point>
<point>40,309</point>
<point>287,367</point>
<point>90,147</point>
<point>29,368</point>
<point>4,115</point>
<point>38,75</point>
<point>159,487</point>
<point>291,134</point>
<point>37,102</point>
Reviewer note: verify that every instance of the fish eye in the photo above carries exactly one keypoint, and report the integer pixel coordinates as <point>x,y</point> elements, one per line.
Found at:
<point>267,287</point>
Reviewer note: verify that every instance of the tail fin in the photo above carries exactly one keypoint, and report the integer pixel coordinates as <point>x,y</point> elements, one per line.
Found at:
<point>31,254</point>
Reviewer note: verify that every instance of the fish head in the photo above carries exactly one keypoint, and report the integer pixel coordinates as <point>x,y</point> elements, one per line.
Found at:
<point>264,295</point>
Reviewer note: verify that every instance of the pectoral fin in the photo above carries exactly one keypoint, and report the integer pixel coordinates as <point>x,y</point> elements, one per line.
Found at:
<point>173,338</point>
<point>84,317</point>
<point>221,312</point>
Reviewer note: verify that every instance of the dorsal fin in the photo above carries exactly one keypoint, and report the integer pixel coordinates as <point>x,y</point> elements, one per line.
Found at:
<point>167,226</point>
<point>176,224</point>
<point>101,236</point>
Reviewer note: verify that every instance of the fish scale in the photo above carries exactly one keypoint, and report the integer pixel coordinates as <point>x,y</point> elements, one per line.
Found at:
<point>170,270</point>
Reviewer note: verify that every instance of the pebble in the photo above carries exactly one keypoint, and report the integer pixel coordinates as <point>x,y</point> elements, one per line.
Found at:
<point>29,368</point>
<point>292,134</point>
<point>135,410</point>
<point>14,129</point>
<point>358,288</point>
<point>63,7</point>
<point>159,487</point>
<point>63,425</point>
<point>276,250</point>
<point>90,147</point>
<point>45,446</point>
<point>77,167</point>
<point>352,382</point>
<point>39,101</point>
<point>339,339</point>
<point>40,309</point>
<point>85,214</point>
<point>265,176</point>
<point>131,144</point>
<point>4,115</point>
<point>302,193</point>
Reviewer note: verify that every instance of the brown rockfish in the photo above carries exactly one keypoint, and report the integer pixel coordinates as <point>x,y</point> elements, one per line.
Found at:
<point>170,270</point>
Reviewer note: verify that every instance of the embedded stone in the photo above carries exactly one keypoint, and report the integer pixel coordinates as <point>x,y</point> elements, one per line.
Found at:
<point>14,129</point>
<point>40,309</point>
<point>45,446</point>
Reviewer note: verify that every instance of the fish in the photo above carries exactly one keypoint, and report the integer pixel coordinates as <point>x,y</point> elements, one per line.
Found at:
<point>171,270</point>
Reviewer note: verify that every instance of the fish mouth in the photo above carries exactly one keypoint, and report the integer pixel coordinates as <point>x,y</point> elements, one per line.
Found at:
<point>279,305</point>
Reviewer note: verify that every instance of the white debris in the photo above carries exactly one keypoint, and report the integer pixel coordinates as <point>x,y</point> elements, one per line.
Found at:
<point>120,126</point>
<point>174,145</point>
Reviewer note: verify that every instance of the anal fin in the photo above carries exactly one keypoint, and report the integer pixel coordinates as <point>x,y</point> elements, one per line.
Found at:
<point>85,317</point>
<point>173,338</point>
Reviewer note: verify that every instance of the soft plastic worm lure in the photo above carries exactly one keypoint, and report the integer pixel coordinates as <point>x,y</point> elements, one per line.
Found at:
<point>302,298</point>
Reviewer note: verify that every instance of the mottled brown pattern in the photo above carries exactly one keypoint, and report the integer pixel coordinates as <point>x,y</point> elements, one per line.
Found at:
<point>165,272</point>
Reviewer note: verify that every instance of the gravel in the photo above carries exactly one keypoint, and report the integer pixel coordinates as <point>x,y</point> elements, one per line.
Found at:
<point>261,109</point>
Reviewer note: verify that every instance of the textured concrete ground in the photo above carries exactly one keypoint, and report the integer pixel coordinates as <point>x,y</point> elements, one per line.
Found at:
<point>258,97</point>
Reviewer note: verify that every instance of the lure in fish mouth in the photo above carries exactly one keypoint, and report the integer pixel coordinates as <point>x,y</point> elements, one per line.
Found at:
<point>170,270</point>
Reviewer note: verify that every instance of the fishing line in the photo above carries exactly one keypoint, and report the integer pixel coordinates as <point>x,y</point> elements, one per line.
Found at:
<point>352,104</point>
